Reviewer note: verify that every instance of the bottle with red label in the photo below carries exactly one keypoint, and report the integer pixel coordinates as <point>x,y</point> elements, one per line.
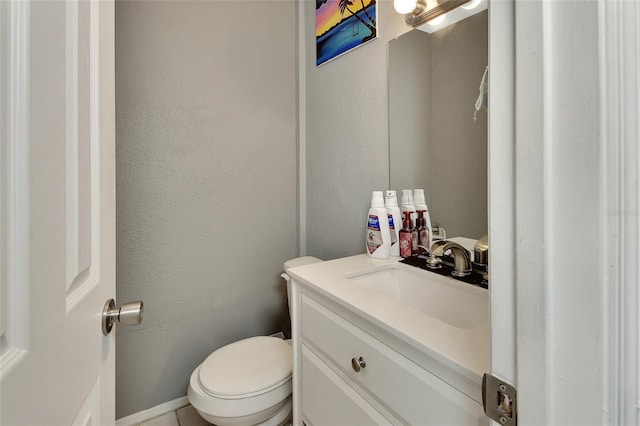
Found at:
<point>405,235</point>
<point>421,206</point>
<point>424,237</point>
<point>414,241</point>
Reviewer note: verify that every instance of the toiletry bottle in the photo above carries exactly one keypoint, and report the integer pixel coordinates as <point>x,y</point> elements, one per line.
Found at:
<point>421,206</point>
<point>423,232</point>
<point>406,205</point>
<point>405,236</point>
<point>414,241</point>
<point>378,239</point>
<point>395,221</point>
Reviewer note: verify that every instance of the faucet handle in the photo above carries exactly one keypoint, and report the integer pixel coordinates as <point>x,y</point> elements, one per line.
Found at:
<point>434,261</point>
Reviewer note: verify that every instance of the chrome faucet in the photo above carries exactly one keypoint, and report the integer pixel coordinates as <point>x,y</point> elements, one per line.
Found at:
<point>461,257</point>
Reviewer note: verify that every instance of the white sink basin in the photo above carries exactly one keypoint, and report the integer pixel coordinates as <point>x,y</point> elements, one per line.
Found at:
<point>456,303</point>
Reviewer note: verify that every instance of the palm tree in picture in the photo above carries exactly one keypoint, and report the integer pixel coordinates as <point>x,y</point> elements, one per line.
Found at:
<point>373,21</point>
<point>344,5</point>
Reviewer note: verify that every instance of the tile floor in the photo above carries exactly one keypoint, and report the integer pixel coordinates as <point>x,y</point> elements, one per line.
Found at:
<point>185,416</point>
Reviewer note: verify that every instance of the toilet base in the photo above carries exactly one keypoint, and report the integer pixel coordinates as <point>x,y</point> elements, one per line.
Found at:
<point>275,416</point>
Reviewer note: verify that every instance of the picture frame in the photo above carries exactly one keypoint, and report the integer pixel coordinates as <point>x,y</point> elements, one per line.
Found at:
<point>343,25</point>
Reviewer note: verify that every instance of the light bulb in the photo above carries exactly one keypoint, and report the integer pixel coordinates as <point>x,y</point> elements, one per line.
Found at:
<point>471,5</point>
<point>404,6</point>
<point>438,20</point>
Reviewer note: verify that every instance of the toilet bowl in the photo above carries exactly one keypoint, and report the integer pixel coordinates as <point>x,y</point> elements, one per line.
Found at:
<point>247,382</point>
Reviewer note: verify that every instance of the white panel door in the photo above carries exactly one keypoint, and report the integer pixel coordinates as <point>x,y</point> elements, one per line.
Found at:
<point>57,212</point>
<point>565,181</point>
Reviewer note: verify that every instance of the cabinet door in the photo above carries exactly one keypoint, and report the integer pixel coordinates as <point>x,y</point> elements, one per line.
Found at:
<point>328,400</point>
<point>411,393</point>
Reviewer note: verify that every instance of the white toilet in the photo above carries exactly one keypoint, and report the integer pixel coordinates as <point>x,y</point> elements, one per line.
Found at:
<point>247,382</point>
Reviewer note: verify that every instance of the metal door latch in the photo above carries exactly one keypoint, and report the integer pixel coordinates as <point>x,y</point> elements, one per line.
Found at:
<point>129,314</point>
<point>499,400</point>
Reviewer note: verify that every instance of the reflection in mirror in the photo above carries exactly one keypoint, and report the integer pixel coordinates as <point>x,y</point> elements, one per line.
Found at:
<point>434,142</point>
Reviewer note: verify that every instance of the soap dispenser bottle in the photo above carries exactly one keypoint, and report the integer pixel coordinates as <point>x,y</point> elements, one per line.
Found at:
<point>421,206</point>
<point>378,239</point>
<point>424,238</point>
<point>405,236</point>
<point>395,221</point>
<point>406,205</point>
<point>414,241</point>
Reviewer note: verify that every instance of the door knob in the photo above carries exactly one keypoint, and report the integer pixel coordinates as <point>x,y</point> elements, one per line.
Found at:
<point>129,314</point>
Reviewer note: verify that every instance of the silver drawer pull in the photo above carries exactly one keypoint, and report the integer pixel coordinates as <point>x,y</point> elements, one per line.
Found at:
<point>358,364</point>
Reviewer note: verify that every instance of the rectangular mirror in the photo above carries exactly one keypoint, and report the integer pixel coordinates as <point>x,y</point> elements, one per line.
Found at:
<point>434,142</point>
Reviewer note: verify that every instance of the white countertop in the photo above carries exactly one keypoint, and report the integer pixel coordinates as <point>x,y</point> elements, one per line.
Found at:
<point>465,350</point>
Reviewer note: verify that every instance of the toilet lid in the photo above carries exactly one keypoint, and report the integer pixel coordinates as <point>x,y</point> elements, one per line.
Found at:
<point>247,368</point>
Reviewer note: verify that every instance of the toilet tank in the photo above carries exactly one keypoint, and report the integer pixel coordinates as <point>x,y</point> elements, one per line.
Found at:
<point>293,263</point>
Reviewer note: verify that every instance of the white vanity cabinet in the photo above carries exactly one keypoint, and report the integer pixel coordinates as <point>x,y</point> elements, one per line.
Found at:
<point>350,370</point>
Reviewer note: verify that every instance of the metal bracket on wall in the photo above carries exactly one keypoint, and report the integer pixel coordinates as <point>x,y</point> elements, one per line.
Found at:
<point>499,400</point>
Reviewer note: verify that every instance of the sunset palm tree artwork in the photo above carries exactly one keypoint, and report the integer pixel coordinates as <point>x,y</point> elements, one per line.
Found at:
<point>343,25</point>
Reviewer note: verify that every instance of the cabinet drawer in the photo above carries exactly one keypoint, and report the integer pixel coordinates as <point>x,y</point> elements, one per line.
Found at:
<point>328,400</point>
<point>407,390</point>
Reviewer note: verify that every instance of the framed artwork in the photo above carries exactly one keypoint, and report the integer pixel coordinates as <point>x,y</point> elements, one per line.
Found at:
<point>343,25</point>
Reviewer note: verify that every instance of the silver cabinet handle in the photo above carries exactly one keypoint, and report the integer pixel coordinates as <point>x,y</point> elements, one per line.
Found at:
<point>358,364</point>
<point>129,314</point>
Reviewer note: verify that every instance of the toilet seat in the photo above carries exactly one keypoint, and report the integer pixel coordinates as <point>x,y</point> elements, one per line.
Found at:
<point>246,368</point>
<point>246,382</point>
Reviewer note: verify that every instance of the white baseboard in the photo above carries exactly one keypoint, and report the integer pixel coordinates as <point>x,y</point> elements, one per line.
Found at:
<point>158,410</point>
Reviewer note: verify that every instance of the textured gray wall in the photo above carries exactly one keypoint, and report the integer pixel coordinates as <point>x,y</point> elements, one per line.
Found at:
<point>206,183</point>
<point>435,144</point>
<point>460,54</point>
<point>347,137</point>
<point>410,111</point>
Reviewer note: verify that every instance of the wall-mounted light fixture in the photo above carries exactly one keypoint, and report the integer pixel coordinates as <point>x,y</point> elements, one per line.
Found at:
<point>418,12</point>
<point>430,15</point>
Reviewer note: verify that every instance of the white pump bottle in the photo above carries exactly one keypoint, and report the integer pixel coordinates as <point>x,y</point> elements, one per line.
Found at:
<point>421,206</point>
<point>406,205</point>
<point>395,221</point>
<point>378,238</point>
